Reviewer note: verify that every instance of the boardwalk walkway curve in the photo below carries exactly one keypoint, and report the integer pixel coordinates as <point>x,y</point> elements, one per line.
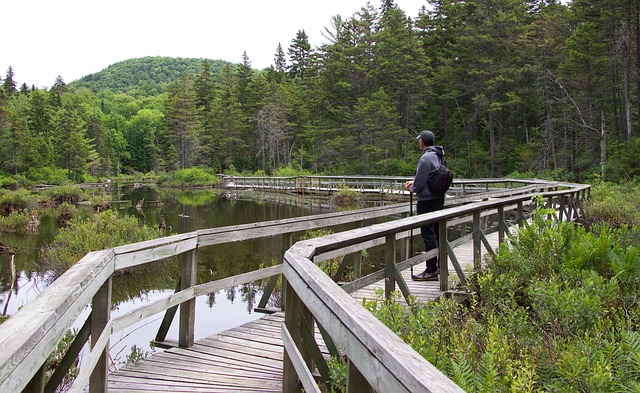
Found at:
<point>376,357</point>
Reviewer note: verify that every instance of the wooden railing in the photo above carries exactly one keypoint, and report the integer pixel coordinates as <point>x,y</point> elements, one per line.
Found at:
<point>393,185</point>
<point>376,358</point>
<point>33,333</point>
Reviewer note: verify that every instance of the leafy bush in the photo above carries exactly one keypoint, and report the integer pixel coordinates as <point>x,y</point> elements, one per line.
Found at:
<point>47,175</point>
<point>289,171</point>
<point>15,200</point>
<point>346,197</point>
<point>16,222</point>
<point>101,231</point>
<point>613,204</point>
<point>189,177</point>
<point>556,310</point>
<point>9,183</point>
<point>61,194</point>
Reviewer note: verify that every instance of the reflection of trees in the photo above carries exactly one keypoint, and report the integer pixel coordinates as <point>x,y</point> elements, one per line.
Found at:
<point>231,294</point>
<point>248,293</point>
<point>189,197</point>
<point>137,282</point>
<point>211,299</point>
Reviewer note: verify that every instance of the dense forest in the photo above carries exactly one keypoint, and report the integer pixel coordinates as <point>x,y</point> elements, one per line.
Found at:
<point>536,87</point>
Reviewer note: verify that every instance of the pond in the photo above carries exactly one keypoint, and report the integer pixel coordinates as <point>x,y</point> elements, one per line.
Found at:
<point>179,211</point>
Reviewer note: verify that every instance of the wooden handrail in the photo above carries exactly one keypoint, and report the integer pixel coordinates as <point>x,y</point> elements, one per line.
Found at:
<point>368,345</point>
<point>29,336</point>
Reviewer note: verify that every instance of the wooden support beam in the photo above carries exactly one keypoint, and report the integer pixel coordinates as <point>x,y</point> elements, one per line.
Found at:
<point>186,335</point>
<point>296,366</point>
<point>356,383</point>
<point>477,252</point>
<point>168,318</point>
<point>100,316</point>
<point>294,316</point>
<point>442,255</point>
<point>389,265</point>
<point>36,385</point>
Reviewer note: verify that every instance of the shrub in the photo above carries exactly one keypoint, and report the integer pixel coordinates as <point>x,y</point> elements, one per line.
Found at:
<point>289,171</point>
<point>615,205</point>
<point>47,175</point>
<point>61,194</point>
<point>346,197</point>
<point>15,200</point>
<point>9,183</point>
<point>16,222</point>
<point>101,231</point>
<point>556,310</point>
<point>190,177</point>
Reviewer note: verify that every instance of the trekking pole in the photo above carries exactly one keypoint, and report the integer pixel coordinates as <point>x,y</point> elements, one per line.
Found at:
<point>411,231</point>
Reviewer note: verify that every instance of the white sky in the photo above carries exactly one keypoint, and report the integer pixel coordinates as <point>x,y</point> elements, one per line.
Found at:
<point>42,39</point>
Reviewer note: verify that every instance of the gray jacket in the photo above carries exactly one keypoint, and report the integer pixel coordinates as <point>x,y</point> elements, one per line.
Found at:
<point>432,158</point>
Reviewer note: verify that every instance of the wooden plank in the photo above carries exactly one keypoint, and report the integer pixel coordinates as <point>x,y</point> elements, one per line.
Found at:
<point>141,257</point>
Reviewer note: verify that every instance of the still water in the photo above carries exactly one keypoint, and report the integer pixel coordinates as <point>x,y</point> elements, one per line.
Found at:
<point>181,211</point>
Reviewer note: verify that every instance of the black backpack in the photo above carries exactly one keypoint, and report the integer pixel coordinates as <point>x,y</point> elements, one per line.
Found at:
<point>440,180</point>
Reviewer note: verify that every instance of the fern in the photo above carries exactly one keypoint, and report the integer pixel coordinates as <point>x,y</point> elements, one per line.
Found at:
<point>462,374</point>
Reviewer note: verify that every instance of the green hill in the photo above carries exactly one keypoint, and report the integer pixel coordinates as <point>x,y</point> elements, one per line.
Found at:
<point>146,75</point>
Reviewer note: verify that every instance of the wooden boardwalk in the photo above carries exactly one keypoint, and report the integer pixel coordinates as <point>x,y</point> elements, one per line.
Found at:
<point>247,358</point>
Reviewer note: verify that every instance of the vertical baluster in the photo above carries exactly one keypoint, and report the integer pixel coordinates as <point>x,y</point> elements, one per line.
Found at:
<point>100,316</point>
<point>186,335</point>
<point>389,262</point>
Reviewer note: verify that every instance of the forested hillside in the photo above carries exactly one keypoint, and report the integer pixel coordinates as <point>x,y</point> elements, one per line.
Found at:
<point>145,76</point>
<point>535,87</point>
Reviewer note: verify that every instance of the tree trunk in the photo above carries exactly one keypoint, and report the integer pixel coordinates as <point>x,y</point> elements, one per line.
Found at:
<point>626,57</point>
<point>492,144</point>
<point>603,147</point>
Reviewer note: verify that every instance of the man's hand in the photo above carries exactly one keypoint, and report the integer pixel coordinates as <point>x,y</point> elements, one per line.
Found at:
<point>407,185</point>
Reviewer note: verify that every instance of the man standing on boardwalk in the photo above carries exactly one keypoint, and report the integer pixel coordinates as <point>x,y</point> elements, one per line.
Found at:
<point>431,159</point>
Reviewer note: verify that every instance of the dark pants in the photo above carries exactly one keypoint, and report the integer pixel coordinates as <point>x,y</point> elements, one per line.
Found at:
<point>430,233</point>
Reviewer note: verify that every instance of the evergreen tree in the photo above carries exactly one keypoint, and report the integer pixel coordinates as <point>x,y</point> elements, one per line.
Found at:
<point>9,85</point>
<point>183,121</point>
<point>72,147</point>
<point>299,56</point>
<point>40,119</point>
<point>400,67</point>
<point>227,144</point>
<point>280,62</point>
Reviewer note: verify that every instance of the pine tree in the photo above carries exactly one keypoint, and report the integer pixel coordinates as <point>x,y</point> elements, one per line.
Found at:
<point>72,147</point>
<point>183,121</point>
<point>9,85</point>
<point>299,56</point>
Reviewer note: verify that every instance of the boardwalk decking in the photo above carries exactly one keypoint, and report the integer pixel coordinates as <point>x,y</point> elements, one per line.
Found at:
<point>247,358</point>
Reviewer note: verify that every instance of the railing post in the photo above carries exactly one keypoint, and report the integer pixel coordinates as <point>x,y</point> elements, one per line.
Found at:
<point>356,382</point>
<point>186,334</point>
<point>443,258</point>
<point>294,316</point>
<point>501,225</point>
<point>520,214</point>
<point>389,262</point>
<point>477,242</point>
<point>36,385</point>
<point>100,316</point>
<point>287,241</point>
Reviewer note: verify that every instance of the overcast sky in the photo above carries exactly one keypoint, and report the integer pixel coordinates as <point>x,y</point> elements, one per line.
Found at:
<point>42,39</point>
